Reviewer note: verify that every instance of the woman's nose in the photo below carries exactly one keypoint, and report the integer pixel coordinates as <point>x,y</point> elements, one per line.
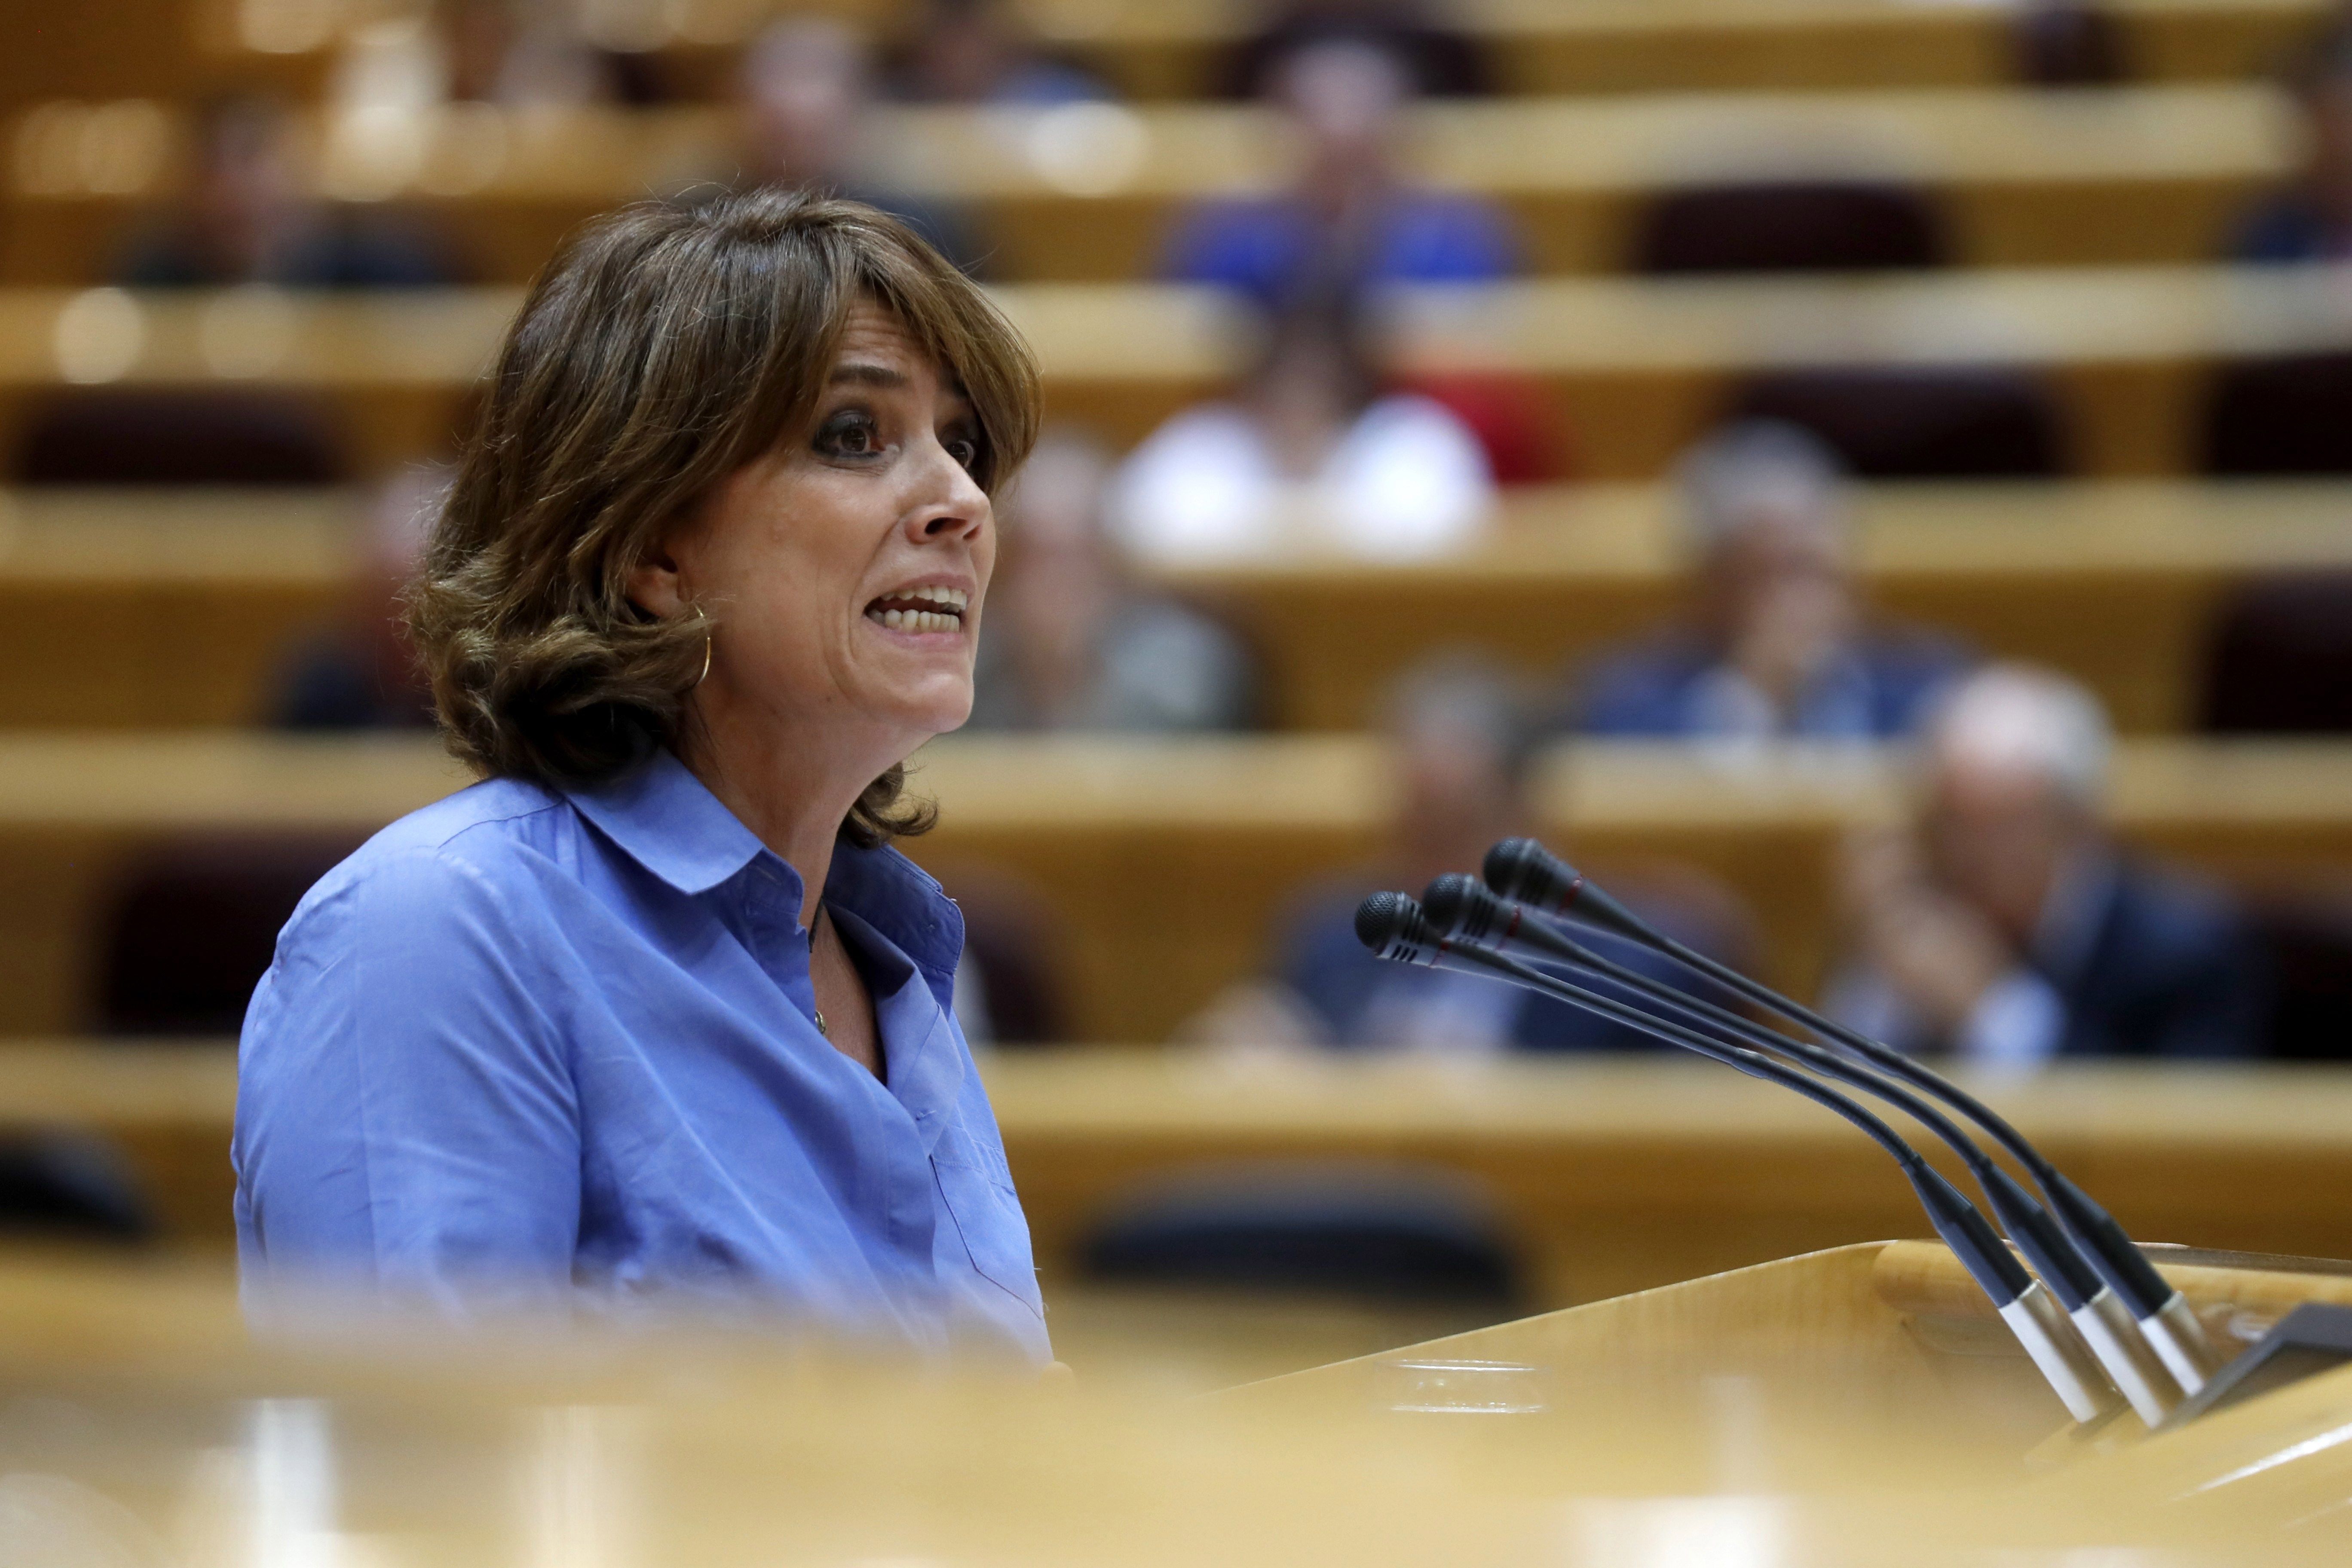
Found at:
<point>960,508</point>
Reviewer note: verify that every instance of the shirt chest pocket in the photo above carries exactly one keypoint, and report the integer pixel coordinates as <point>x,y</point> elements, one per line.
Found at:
<point>978,1190</point>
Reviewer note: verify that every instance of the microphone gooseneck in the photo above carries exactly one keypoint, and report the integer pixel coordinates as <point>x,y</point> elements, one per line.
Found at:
<point>1522,870</point>
<point>1394,926</point>
<point>1465,909</point>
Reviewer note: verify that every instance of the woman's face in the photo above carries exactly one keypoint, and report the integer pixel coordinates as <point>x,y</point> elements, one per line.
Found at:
<point>844,571</point>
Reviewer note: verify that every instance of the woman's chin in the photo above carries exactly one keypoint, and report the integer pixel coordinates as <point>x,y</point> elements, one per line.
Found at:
<point>931,708</point>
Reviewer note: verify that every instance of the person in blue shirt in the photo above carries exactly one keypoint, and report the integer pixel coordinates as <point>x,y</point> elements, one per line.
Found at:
<point>1775,646</point>
<point>1352,219</point>
<point>655,1010</point>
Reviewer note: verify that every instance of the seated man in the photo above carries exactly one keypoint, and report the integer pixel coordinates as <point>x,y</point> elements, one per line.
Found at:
<point>1463,753</point>
<point>1072,642</point>
<point>2310,219</point>
<point>1775,646</point>
<point>248,217</point>
<point>1351,219</point>
<point>2009,928</point>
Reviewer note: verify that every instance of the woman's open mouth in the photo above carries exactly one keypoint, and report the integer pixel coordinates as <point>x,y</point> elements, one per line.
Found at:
<point>920,610</point>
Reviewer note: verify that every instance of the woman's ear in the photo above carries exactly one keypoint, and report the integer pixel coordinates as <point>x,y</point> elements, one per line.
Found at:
<point>655,587</point>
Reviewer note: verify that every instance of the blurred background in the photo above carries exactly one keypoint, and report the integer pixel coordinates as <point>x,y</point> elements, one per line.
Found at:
<point>1872,479</point>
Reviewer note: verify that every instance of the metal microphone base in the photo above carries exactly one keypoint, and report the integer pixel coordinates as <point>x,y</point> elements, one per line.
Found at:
<point>2131,1365</point>
<point>2066,1362</point>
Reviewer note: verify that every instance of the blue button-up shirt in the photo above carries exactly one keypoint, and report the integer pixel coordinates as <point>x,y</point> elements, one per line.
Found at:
<point>531,1041</point>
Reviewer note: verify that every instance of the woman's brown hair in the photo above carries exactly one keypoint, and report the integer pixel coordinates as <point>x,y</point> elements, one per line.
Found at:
<point>662,350</point>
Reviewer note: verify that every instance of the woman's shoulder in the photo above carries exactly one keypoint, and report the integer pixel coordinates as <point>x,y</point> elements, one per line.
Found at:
<point>473,847</point>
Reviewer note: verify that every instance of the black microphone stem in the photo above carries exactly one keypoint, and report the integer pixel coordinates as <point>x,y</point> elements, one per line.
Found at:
<point>1524,870</point>
<point>2020,1301</point>
<point>2070,1280</point>
<point>1465,909</point>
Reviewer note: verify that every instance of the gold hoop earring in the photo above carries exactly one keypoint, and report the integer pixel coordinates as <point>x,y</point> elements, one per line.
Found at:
<point>706,646</point>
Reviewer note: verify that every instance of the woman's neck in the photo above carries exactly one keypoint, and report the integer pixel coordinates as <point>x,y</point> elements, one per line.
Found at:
<point>792,788</point>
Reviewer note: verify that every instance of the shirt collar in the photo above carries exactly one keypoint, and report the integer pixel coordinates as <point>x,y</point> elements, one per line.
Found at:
<point>670,823</point>
<point>902,901</point>
<point>667,820</point>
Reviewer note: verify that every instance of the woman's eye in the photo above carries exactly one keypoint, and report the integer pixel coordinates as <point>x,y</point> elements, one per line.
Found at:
<point>964,450</point>
<point>849,436</point>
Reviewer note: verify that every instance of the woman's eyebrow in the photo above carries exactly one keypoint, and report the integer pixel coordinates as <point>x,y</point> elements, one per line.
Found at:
<point>860,375</point>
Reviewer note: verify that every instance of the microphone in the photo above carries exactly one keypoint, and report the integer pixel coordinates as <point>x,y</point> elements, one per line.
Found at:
<point>1465,909</point>
<point>1524,870</point>
<point>1394,928</point>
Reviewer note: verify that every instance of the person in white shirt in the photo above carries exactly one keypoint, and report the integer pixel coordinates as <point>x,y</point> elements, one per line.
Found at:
<point>1308,458</point>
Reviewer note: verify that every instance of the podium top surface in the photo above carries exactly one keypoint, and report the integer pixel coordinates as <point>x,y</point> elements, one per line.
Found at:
<point>1785,1414</point>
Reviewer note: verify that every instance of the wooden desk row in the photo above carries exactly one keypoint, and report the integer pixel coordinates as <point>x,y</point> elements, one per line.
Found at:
<point>1179,49</point>
<point>1636,368</point>
<point>1161,865</point>
<point>1610,1176</point>
<point>138,609</point>
<point>1091,192</point>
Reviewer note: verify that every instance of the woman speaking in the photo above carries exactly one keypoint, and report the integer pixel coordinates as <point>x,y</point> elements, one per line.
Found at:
<point>655,1007</point>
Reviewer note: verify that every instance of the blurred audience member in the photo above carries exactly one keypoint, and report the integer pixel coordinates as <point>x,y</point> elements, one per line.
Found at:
<point>1442,62</point>
<point>2066,43</point>
<point>1071,643</point>
<point>1775,646</point>
<point>807,85</point>
<point>979,51</point>
<point>247,219</point>
<point>520,53</point>
<point>1461,751</point>
<point>1309,455</point>
<point>2311,219</point>
<point>2009,928</point>
<point>1352,218</point>
<point>362,674</point>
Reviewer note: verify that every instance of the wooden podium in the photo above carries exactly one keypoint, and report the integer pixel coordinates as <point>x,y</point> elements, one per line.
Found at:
<point>1878,1371</point>
<point>1852,1407</point>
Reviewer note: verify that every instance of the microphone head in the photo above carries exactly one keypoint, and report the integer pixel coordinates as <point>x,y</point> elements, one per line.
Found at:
<point>1461,907</point>
<point>1394,927</point>
<point>1526,872</point>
